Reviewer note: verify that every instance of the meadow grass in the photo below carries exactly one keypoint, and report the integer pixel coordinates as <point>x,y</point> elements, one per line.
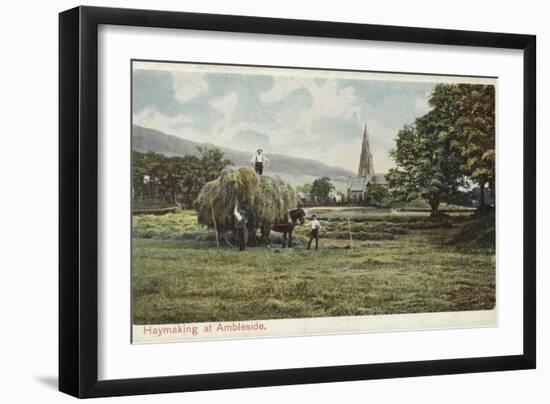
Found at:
<point>178,279</point>
<point>178,226</point>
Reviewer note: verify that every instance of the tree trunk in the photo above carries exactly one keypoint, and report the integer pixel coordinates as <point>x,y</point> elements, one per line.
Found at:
<point>482,208</point>
<point>434,205</point>
<point>482,195</point>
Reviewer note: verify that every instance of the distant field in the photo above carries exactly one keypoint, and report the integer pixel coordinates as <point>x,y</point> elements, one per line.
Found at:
<point>396,263</point>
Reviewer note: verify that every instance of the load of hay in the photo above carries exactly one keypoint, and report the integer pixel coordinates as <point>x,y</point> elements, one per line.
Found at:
<point>264,200</point>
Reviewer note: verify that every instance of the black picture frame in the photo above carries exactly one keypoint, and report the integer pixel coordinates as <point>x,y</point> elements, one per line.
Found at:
<point>78,201</point>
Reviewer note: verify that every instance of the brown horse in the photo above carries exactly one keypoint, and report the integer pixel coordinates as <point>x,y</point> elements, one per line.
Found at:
<point>286,226</point>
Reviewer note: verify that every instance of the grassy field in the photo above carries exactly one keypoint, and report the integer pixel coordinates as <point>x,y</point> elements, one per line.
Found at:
<point>398,263</point>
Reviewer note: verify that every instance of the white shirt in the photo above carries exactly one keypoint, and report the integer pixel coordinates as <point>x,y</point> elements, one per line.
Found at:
<point>259,158</point>
<point>315,224</point>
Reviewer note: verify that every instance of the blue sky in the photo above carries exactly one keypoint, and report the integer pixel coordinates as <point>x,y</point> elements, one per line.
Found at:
<point>304,113</point>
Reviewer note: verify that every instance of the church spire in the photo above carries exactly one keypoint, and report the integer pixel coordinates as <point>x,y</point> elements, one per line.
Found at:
<point>366,165</point>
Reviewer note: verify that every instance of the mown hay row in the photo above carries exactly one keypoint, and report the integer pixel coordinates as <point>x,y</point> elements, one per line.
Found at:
<point>153,211</point>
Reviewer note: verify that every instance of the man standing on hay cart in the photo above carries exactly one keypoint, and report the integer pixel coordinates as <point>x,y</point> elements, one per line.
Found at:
<point>258,161</point>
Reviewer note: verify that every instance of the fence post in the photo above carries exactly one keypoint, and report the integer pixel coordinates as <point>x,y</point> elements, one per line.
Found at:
<point>350,236</point>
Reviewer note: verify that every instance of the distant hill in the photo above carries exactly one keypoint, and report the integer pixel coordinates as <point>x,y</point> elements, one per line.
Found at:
<point>291,169</point>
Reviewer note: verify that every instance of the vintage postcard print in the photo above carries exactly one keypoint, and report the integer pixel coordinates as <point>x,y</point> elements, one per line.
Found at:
<point>271,201</point>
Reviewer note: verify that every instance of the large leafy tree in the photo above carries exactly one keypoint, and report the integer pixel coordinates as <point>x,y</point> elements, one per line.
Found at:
<point>468,111</point>
<point>185,176</point>
<point>476,125</point>
<point>321,188</point>
<point>455,139</point>
<point>428,166</point>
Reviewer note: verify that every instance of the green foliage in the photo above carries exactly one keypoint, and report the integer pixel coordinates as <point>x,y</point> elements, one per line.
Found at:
<point>455,138</point>
<point>378,195</point>
<point>427,165</point>
<point>476,125</point>
<point>321,188</point>
<point>306,188</point>
<point>156,177</point>
<point>212,162</point>
<point>468,112</point>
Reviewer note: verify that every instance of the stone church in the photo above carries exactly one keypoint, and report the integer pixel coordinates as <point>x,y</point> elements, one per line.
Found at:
<point>357,186</point>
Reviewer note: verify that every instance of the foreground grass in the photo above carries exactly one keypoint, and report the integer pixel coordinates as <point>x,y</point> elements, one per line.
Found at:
<point>416,271</point>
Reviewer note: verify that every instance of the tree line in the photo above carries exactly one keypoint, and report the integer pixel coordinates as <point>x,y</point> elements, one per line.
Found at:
<point>176,180</point>
<point>449,149</point>
<point>319,190</point>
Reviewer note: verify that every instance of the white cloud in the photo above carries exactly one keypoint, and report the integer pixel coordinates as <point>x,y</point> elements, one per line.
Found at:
<point>188,85</point>
<point>282,86</point>
<point>328,102</point>
<point>226,103</point>
<point>224,129</point>
<point>153,118</point>
<point>331,102</point>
